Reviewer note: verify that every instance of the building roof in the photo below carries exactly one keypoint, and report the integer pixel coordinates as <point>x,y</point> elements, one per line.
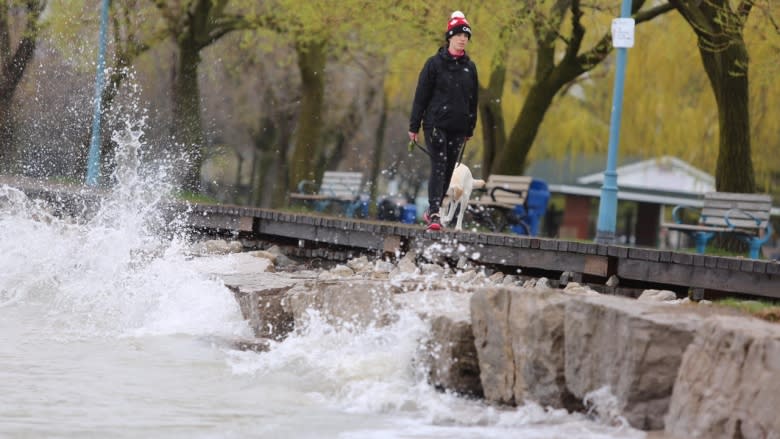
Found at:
<point>662,174</point>
<point>663,180</point>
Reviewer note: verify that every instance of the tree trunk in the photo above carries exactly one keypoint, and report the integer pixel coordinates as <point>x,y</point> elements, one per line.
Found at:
<point>725,58</point>
<point>379,141</point>
<point>193,25</point>
<point>277,179</point>
<point>490,112</point>
<point>311,64</point>
<point>493,129</point>
<point>269,187</point>
<point>264,140</point>
<point>728,73</point>
<point>511,159</point>
<point>12,67</point>
<point>186,112</point>
<point>7,150</point>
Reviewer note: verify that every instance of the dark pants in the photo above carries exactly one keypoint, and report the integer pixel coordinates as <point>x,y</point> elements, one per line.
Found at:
<point>445,151</point>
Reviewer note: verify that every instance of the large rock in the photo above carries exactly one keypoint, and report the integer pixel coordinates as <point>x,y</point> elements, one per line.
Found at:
<point>536,325</point>
<point>519,335</point>
<point>258,290</point>
<point>632,348</point>
<point>344,303</point>
<point>264,311</point>
<point>490,323</point>
<point>451,358</point>
<point>729,382</point>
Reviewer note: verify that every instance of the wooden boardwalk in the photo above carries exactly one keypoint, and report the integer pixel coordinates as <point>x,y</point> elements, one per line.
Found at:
<point>335,238</point>
<point>593,262</point>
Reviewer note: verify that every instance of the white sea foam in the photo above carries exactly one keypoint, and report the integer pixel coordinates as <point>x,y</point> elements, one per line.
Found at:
<point>105,329</point>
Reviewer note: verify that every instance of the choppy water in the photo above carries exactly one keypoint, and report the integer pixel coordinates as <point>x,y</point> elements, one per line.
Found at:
<point>107,330</point>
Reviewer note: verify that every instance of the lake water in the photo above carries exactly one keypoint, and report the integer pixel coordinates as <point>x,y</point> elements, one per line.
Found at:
<point>108,330</point>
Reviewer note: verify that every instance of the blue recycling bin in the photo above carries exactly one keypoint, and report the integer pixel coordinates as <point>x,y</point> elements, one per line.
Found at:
<point>409,214</point>
<point>534,209</point>
<point>358,208</point>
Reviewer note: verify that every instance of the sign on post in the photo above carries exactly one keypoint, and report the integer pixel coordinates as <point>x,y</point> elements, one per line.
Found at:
<point>623,32</point>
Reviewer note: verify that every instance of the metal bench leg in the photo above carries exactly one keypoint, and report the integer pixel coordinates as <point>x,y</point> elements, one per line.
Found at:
<point>754,246</point>
<point>702,238</point>
<point>352,208</point>
<point>755,242</point>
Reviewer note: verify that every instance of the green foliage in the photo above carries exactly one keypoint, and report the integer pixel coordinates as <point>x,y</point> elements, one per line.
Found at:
<point>668,106</point>
<point>195,197</point>
<point>764,309</point>
<point>72,26</point>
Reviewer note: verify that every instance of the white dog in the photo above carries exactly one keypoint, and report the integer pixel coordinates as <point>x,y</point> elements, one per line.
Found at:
<point>458,194</point>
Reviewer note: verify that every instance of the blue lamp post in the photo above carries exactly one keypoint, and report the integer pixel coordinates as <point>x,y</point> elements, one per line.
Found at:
<point>622,39</point>
<point>93,159</point>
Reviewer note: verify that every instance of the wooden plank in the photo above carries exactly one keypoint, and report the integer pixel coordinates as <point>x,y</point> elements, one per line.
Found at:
<point>596,265</point>
<point>700,277</point>
<point>693,227</point>
<point>739,196</point>
<point>314,197</point>
<point>392,244</point>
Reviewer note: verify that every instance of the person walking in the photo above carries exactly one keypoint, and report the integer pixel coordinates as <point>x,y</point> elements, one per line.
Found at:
<point>445,104</point>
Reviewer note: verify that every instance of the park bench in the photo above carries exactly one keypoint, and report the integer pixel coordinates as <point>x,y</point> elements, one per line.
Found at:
<point>338,188</point>
<point>743,215</point>
<point>505,201</point>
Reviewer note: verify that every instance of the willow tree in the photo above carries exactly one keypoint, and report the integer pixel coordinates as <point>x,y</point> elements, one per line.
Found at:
<point>719,28</point>
<point>553,70</point>
<point>14,59</point>
<point>318,32</point>
<point>194,25</point>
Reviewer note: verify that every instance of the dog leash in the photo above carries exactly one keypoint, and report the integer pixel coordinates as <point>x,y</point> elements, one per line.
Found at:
<point>462,149</point>
<point>413,143</point>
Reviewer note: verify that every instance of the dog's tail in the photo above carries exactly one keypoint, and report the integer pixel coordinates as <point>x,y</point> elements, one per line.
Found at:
<point>478,183</point>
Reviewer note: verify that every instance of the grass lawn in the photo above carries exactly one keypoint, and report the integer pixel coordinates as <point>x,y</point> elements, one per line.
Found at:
<point>762,309</point>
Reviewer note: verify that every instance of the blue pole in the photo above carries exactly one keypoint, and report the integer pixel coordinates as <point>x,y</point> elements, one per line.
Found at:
<point>605,230</point>
<point>93,160</point>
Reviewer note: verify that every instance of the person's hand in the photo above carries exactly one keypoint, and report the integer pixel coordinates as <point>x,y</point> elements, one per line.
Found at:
<point>412,136</point>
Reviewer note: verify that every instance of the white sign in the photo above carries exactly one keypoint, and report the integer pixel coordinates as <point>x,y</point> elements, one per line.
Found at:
<point>623,32</point>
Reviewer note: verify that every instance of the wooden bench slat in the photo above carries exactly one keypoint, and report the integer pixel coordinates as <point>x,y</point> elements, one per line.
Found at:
<point>319,197</point>
<point>746,206</point>
<point>739,224</point>
<point>735,195</point>
<point>734,216</point>
<point>736,212</point>
<point>692,227</point>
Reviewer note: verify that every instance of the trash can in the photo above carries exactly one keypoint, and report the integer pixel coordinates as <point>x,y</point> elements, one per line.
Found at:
<point>362,211</point>
<point>409,213</point>
<point>530,215</point>
<point>358,208</point>
<point>536,204</point>
<point>390,208</point>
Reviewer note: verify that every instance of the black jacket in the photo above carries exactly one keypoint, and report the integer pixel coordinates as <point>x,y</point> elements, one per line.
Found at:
<point>446,95</point>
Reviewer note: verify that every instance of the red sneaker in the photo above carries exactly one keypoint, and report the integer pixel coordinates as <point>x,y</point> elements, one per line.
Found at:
<point>434,225</point>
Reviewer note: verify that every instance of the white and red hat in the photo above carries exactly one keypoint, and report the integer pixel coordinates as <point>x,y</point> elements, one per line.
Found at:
<point>457,24</point>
